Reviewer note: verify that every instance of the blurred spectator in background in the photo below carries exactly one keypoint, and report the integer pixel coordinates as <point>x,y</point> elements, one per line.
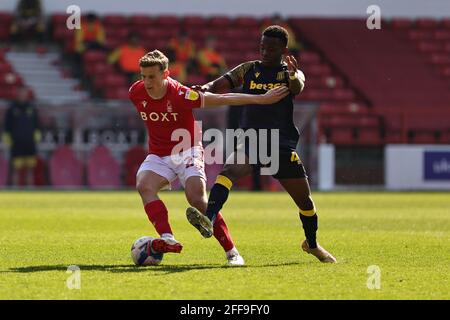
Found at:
<point>91,35</point>
<point>182,56</point>
<point>178,70</point>
<point>182,50</point>
<point>293,46</point>
<point>21,134</point>
<point>211,63</point>
<point>28,24</point>
<point>126,57</point>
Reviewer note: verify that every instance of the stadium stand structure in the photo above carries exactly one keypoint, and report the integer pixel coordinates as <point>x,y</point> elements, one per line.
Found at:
<point>410,100</point>
<point>66,171</point>
<point>103,171</point>
<point>372,87</point>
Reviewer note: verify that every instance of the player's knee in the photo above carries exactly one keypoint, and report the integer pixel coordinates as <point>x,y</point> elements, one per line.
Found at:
<point>198,201</point>
<point>145,188</point>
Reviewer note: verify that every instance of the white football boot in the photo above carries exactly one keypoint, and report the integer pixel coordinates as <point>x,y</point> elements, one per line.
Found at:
<point>234,259</point>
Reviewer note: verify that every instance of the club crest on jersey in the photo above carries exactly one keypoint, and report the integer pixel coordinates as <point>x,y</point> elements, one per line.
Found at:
<point>280,75</point>
<point>169,106</point>
<point>144,103</point>
<point>191,95</point>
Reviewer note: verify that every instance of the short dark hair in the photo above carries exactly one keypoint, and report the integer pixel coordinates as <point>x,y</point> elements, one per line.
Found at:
<point>154,58</point>
<point>277,32</point>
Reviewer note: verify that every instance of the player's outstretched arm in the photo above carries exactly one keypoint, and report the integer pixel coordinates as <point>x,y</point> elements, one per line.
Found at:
<point>212,100</point>
<point>220,85</point>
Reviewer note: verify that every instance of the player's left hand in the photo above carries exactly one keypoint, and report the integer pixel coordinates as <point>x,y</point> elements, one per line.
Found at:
<point>274,95</point>
<point>291,63</point>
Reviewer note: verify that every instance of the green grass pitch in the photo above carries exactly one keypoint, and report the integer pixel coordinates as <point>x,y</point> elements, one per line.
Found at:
<point>407,235</point>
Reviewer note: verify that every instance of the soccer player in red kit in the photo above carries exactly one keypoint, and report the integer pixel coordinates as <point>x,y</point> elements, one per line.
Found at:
<point>165,105</point>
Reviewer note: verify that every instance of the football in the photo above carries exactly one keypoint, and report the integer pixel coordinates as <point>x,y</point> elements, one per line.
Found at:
<point>143,254</point>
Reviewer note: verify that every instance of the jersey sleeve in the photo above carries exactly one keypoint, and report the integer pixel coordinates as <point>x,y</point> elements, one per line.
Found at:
<point>188,98</point>
<point>132,91</point>
<point>236,75</point>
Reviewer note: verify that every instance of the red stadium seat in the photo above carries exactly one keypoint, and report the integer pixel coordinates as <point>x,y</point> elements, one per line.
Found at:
<point>3,171</point>
<point>6,18</point>
<point>446,23</point>
<point>317,70</point>
<point>420,35</point>
<point>98,69</point>
<point>341,136</point>
<point>39,172</point>
<point>369,136</point>
<point>65,169</point>
<point>440,58</point>
<point>118,33</point>
<point>59,19</point>
<point>167,21</point>
<point>447,47</point>
<point>103,171</point>
<point>132,161</point>
<point>342,94</point>
<point>61,33</point>
<point>429,46</point>
<point>4,32</point>
<point>401,24</point>
<point>110,80</point>
<point>442,34</point>
<point>246,22</point>
<point>220,21</point>
<point>423,137</point>
<point>445,71</point>
<point>141,21</point>
<point>8,92</point>
<point>116,93</point>
<point>306,57</point>
<point>426,23</point>
<point>94,56</point>
<point>115,21</point>
<point>194,22</point>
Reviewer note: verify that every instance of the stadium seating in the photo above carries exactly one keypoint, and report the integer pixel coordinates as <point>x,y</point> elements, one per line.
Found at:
<point>9,79</point>
<point>6,19</point>
<point>65,169</point>
<point>39,174</point>
<point>103,170</point>
<point>339,79</point>
<point>132,160</point>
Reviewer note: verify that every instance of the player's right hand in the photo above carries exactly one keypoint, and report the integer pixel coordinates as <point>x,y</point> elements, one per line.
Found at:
<point>275,95</point>
<point>201,88</point>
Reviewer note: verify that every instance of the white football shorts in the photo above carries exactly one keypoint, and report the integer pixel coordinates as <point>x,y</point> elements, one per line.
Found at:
<point>187,164</point>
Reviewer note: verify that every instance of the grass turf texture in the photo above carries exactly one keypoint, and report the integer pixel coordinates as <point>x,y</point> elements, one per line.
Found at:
<point>406,234</point>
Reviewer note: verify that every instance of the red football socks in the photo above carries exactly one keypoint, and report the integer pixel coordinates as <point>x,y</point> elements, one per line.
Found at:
<point>221,233</point>
<point>158,216</point>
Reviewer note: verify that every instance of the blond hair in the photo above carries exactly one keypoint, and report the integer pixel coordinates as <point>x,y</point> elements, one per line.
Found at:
<point>154,58</point>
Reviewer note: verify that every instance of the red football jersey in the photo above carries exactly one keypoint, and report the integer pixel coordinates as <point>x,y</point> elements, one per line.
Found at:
<point>171,112</point>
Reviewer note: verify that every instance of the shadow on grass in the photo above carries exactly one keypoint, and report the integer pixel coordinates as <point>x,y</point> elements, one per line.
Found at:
<point>116,268</point>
